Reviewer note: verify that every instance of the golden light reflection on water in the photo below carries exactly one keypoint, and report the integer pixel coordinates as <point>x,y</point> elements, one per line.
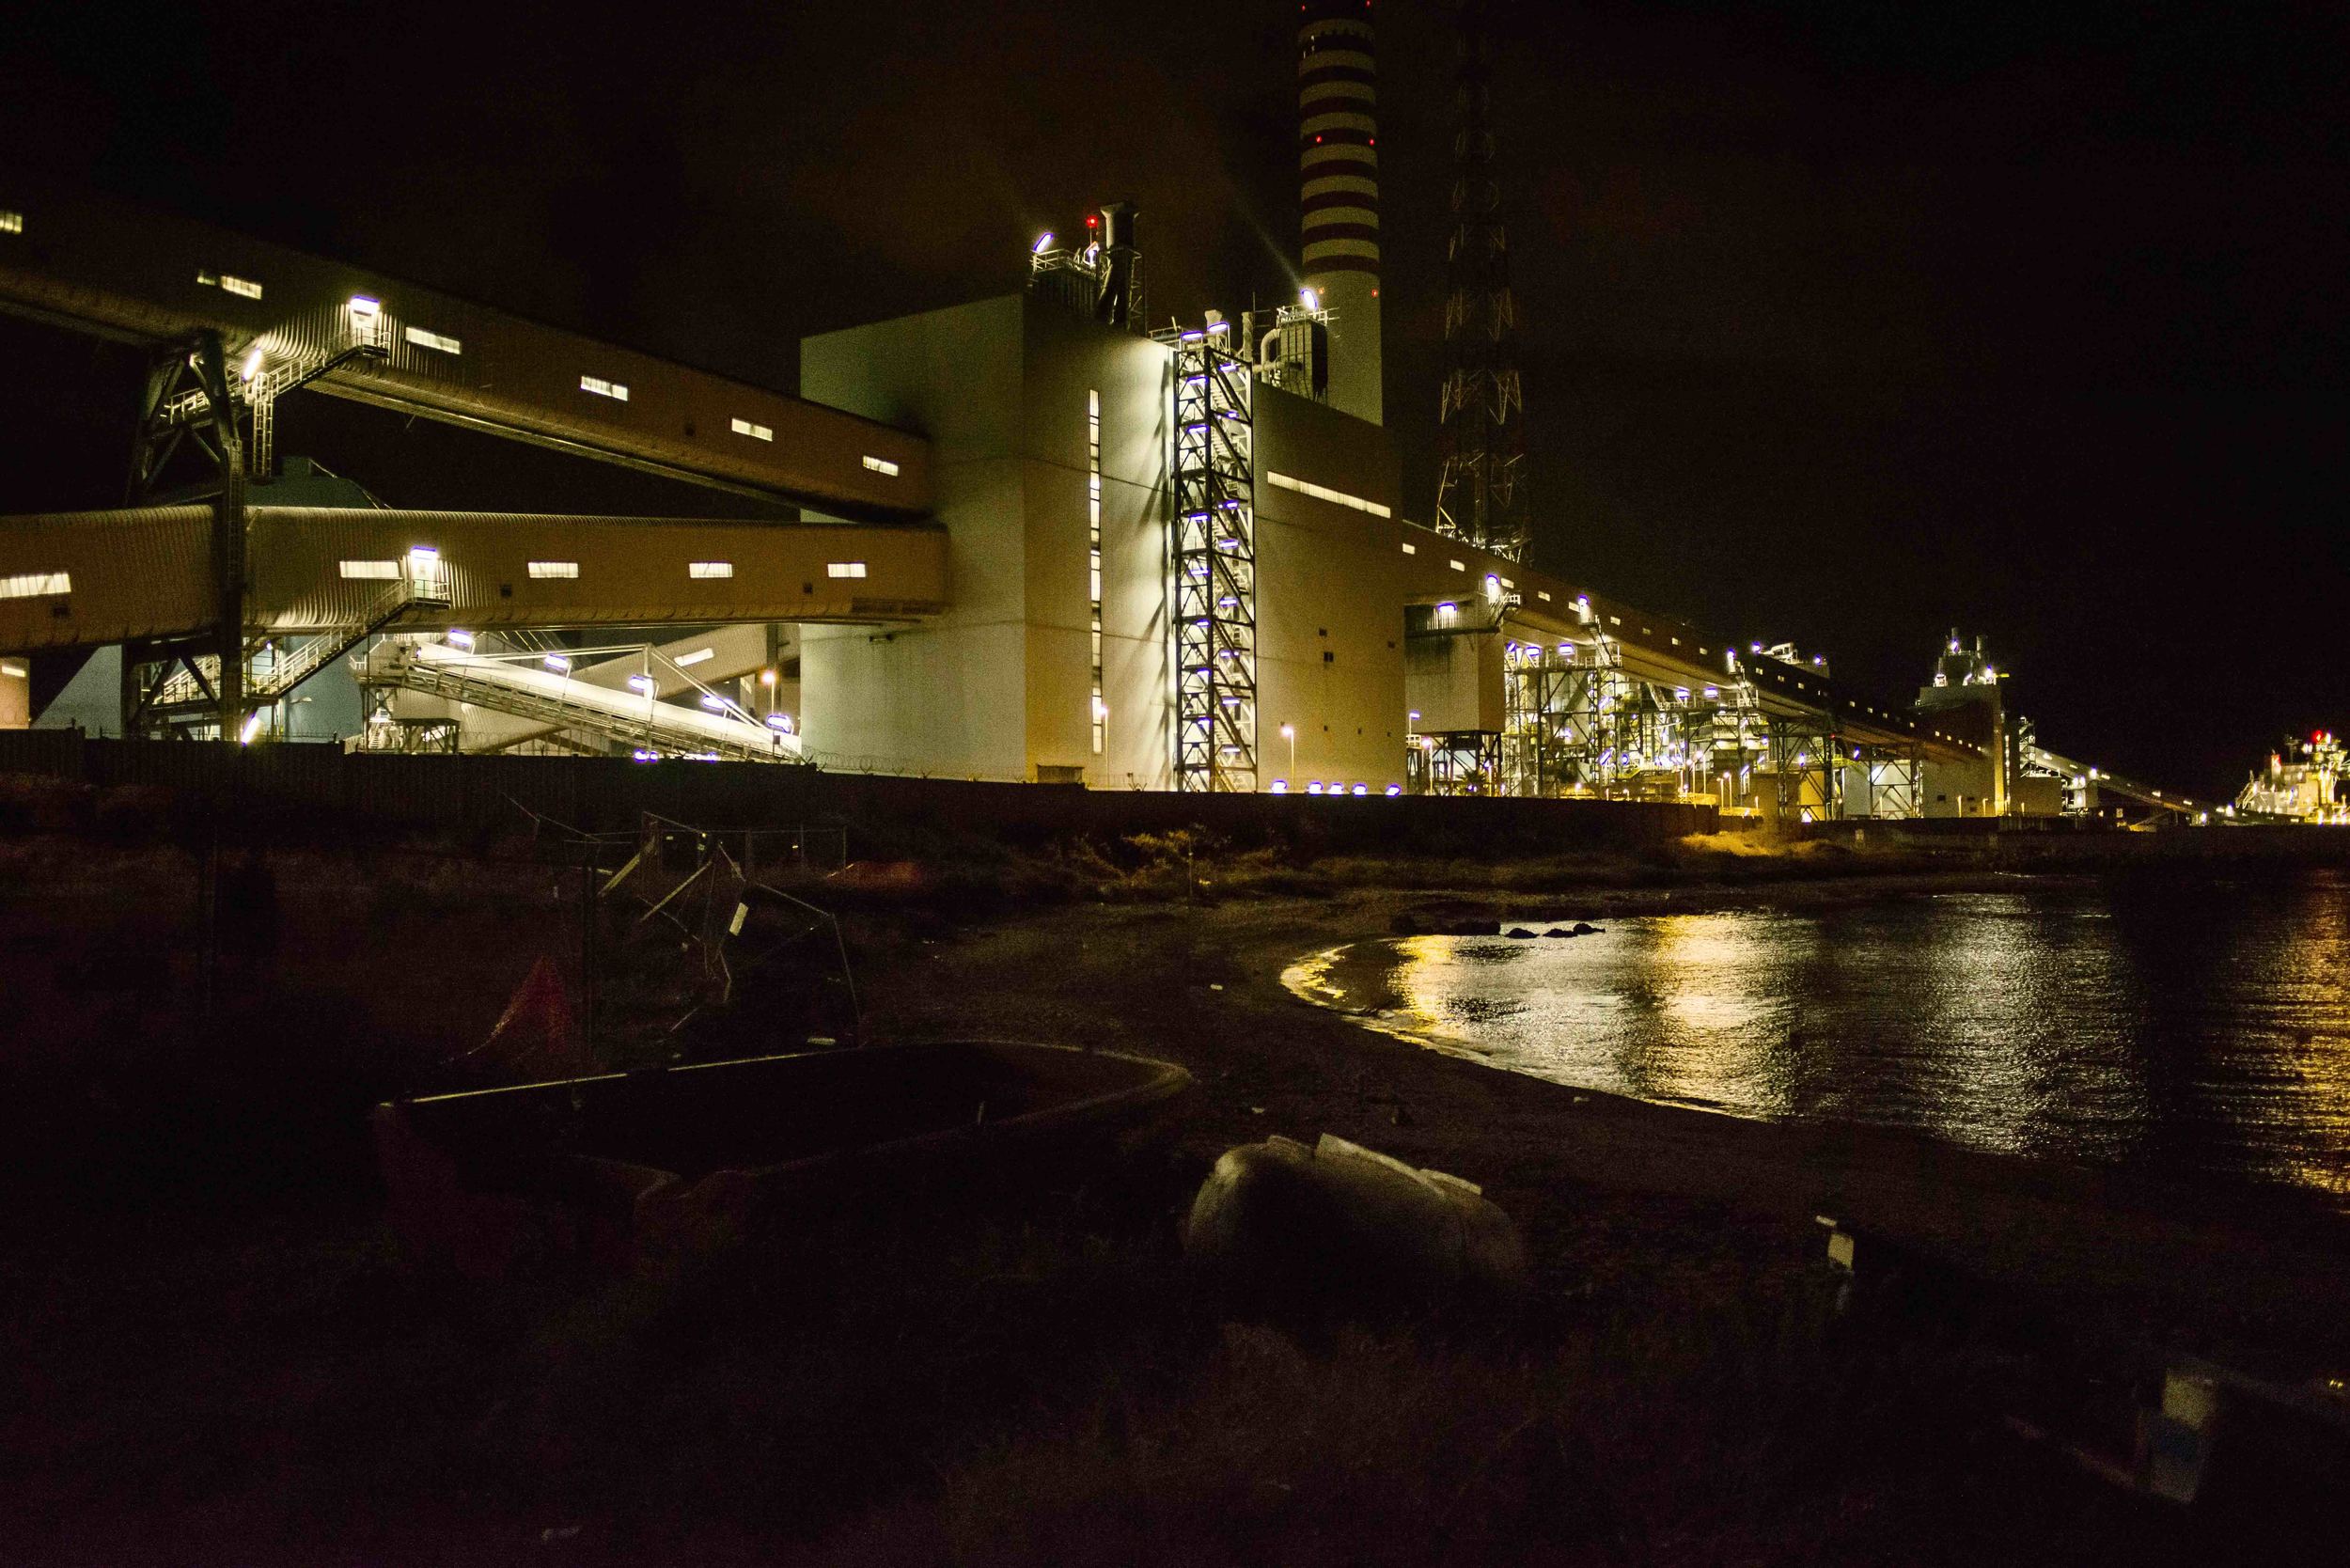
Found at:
<point>2205,1028</point>
<point>2307,981</point>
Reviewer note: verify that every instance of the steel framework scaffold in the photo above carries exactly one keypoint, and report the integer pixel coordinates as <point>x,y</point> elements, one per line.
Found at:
<point>1577,723</point>
<point>1213,562</point>
<point>1456,763</point>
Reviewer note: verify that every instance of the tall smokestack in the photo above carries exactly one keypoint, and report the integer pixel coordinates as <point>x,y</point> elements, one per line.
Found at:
<point>1338,166</point>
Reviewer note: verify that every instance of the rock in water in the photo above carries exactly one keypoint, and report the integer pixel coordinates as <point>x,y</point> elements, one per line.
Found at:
<point>1335,1229</point>
<point>1520,932</point>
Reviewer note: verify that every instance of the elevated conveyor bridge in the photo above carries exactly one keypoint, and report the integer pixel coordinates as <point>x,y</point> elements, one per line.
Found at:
<point>88,579</point>
<point>137,277</point>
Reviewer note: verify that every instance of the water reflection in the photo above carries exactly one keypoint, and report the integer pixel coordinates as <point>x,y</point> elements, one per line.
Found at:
<point>2194,1027</point>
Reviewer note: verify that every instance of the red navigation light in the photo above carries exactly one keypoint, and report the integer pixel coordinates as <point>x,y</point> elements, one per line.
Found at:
<point>1093,220</point>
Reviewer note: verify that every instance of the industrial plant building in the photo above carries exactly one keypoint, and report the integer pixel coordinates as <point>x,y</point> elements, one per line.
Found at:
<point>1040,538</point>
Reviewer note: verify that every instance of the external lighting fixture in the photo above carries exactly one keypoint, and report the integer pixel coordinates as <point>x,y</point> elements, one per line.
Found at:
<point>14,673</point>
<point>699,655</point>
<point>642,684</point>
<point>766,677</point>
<point>460,639</point>
<point>364,309</point>
<point>1315,787</point>
<point>715,704</point>
<point>557,663</point>
<point>641,756</point>
<point>1043,244</point>
<point>252,727</point>
<point>779,721</point>
<point>1310,300</point>
<point>1360,790</point>
<point>1395,790</point>
<point>251,364</point>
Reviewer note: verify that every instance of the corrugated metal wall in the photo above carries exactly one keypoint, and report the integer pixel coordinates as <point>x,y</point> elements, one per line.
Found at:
<point>138,574</point>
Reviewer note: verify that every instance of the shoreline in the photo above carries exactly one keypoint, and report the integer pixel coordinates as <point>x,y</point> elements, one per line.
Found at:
<point>210,1243</point>
<point>2228,1267</point>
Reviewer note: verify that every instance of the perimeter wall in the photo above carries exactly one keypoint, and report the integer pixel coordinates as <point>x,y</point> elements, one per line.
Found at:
<point>301,789</point>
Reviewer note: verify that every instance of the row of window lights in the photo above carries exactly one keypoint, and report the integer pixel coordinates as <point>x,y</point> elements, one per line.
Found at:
<point>11,223</point>
<point>229,283</point>
<point>1543,594</point>
<point>1281,787</point>
<point>388,570</point>
<point>366,308</point>
<point>1093,555</point>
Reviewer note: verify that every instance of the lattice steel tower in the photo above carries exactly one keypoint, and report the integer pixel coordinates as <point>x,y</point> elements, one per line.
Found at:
<point>1481,493</point>
<point>1214,556</point>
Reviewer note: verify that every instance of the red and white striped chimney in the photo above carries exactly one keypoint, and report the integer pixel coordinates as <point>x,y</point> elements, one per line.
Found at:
<point>1338,166</point>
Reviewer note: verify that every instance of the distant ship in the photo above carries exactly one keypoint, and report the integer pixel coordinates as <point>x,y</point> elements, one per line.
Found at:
<point>2305,790</point>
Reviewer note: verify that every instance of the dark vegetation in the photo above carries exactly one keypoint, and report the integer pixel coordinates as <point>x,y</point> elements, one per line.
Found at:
<point>219,1356</point>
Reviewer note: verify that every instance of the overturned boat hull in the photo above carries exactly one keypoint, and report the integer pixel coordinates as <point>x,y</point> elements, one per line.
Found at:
<point>628,1172</point>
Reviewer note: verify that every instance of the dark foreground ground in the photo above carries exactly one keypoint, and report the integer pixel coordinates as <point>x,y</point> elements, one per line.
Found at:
<point>217,1355</point>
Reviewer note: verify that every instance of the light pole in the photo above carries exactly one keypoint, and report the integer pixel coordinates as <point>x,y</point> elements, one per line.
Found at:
<point>1288,733</point>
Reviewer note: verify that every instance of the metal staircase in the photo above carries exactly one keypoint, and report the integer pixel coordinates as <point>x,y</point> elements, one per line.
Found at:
<point>275,670</point>
<point>1215,562</point>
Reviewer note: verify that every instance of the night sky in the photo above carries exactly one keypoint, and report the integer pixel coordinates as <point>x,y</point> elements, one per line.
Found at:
<point>1844,323</point>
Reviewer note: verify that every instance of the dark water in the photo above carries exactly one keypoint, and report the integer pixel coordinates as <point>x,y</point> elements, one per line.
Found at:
<point>2191,1025</point>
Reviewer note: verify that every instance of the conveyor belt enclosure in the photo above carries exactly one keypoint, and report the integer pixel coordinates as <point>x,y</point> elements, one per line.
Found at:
<point>1653,647</point>
<point>138,277</point>
<point>85,579</point>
